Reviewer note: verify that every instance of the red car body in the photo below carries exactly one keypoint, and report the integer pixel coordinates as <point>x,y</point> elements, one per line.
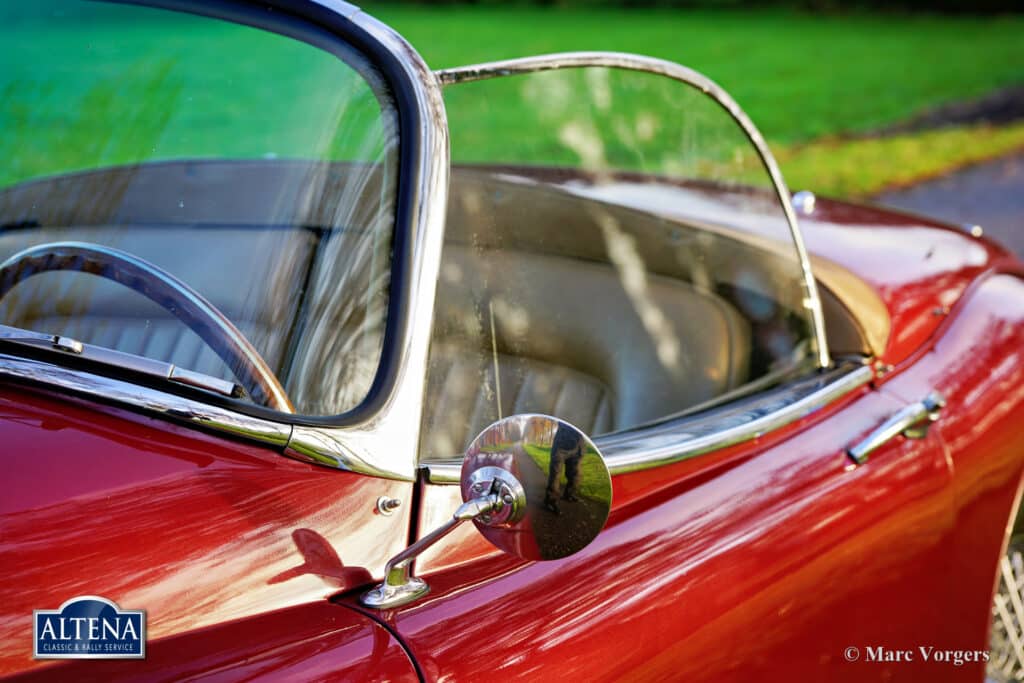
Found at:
<point>772,559</point>
<point>766,560</point>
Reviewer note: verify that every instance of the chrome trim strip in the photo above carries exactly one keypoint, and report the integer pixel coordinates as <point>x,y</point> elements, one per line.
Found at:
<point>621,60</point>
<point>171,406</point>
<point>686,438</point>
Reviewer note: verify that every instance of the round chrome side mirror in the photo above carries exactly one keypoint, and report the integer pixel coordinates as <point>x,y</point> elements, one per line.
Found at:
<point>553,484</point>
<point>535,486</point>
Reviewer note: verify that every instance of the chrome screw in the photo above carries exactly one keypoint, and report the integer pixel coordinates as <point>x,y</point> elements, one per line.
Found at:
<point>386,506</point>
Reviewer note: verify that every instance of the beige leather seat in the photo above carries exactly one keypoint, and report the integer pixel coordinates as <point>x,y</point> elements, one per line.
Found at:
<point>568,341</point>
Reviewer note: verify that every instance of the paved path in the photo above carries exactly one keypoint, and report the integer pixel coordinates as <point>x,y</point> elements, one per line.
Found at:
<point>990,195</point>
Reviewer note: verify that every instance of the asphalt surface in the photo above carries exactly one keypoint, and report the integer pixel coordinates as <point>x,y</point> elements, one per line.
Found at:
<point>990,195</point>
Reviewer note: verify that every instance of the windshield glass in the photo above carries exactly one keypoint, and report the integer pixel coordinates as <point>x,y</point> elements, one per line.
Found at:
<point>257,170</point>
<point>615,254</point>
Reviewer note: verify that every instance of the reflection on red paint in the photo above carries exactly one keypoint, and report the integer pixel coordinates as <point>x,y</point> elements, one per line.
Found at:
<point>767,561</point>
<point>195,529</point>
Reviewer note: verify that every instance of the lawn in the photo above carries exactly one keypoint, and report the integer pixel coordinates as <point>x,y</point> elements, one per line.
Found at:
<point>593,481</point>
<point>810,83</point>
<point>110,84</point>
<point>799,76</point>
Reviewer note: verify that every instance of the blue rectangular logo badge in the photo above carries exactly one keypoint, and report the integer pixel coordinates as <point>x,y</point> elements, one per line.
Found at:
<point>89,627</point>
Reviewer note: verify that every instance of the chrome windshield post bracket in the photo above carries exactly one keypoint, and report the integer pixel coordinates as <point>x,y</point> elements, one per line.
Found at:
<point>399,588</point>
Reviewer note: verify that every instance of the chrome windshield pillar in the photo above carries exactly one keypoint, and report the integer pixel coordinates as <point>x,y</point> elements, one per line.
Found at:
<point>386,443</point>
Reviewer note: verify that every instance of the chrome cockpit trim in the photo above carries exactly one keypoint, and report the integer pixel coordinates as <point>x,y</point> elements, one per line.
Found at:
<point>688,437</point>
<point>171,406</point>
<point>621,60</point>
<point>385,444</point>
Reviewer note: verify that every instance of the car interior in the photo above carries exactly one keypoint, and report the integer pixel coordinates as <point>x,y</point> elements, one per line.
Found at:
<point>254,238</point>
<point>548,301</point>
<point>607,316</point>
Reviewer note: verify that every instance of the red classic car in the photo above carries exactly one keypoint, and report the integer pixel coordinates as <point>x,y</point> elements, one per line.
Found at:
<point>282,308</point>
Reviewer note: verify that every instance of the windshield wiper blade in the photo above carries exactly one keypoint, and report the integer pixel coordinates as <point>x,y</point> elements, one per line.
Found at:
<point>119,360</point>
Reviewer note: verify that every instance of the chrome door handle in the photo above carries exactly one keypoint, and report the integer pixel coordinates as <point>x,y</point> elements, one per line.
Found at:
<point>912,422</point>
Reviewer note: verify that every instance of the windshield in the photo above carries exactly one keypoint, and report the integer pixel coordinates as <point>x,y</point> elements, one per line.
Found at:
<point>616,254</point>
<point>258,171</point>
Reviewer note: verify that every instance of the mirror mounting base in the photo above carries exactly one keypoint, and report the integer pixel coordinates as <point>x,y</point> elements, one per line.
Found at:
<point>387,596</point>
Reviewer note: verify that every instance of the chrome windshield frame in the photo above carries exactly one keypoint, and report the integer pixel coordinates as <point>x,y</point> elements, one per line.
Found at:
<point>677,72</point>
<point>386,442</point>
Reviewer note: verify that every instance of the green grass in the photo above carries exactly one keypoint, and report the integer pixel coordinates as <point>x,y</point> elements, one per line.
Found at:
<point>117,85</point>
<point>600,119</point>
<point>860,168</point>
<point>799,76</point>
<point>808,82</point>
<point>197,88</point>
<point>593,482</point>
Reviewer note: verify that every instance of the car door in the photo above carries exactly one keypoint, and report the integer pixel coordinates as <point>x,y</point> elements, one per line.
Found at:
<point>774,557</point>
<point>618,254</point>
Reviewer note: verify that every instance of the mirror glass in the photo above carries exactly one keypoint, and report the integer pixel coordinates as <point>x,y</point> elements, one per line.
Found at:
<point>564,480</point>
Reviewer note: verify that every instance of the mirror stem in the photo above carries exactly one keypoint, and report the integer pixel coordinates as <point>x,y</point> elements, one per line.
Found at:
<point>398,587</point>
<point>396,572</point>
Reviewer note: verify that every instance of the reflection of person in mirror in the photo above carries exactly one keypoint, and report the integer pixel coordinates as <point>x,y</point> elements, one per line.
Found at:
<point>566,452</point>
